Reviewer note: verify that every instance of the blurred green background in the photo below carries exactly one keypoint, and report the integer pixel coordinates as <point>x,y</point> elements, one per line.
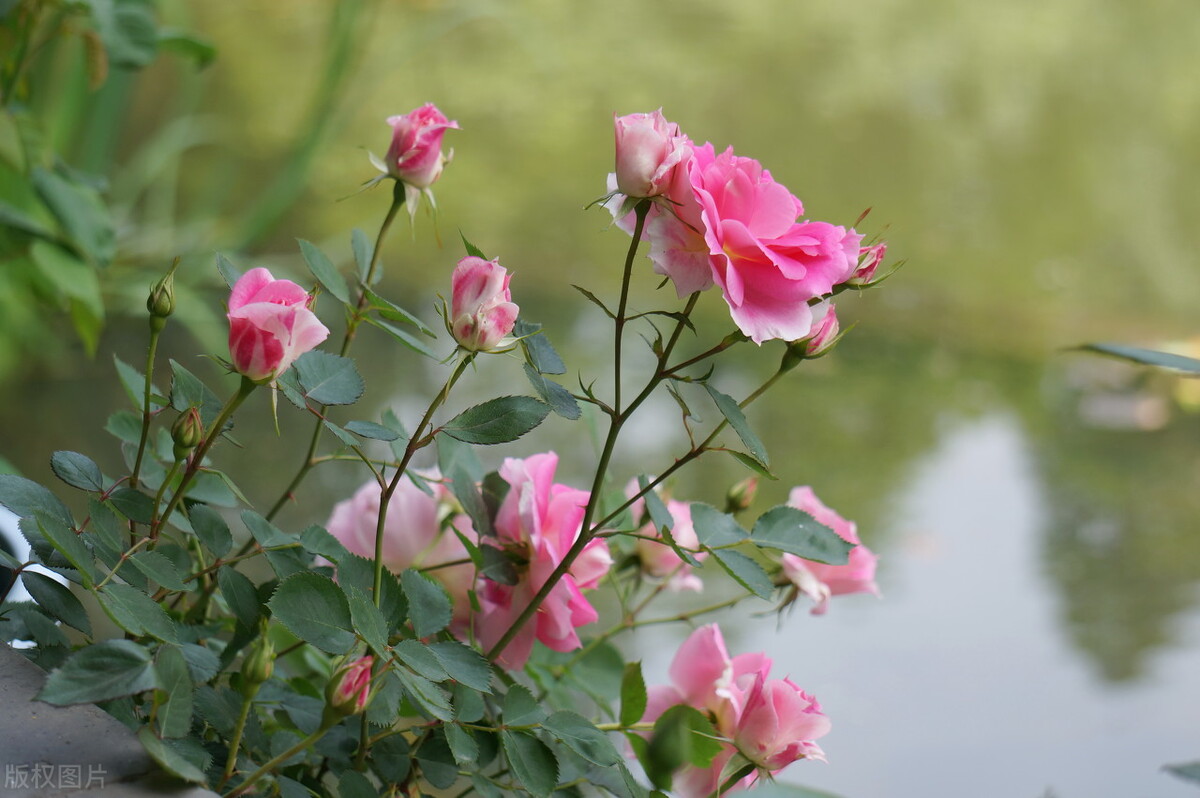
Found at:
<point>1034,162</point>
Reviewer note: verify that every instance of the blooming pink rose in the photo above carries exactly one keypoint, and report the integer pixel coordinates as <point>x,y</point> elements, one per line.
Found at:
<point>824,330</point>
<point>350,687</point>
<point>649,150</point>
<point>778,724</point>
<point>819,580</point>
<point>415,155</point>
<point>771,721</point>
<point>767,264</point>
<point>414,535</point>
<point>659,560</point>
<point>270,325</point>
<point>481,310</point>
<point>538,522</point>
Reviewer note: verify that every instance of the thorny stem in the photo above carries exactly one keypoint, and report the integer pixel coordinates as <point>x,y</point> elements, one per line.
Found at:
<point>269,766</point>
<point>235,742</point>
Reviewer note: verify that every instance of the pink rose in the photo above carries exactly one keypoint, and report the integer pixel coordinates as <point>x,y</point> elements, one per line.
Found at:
<point>350,687</point>
<point>824,330</point>
<point>649,150</point>
<point>415,155</point>
<point>659,560</point>
<point>270,325</point>
<point>481,310</point>
<point>538,522</point>
<point>770,721</point>
<point>778,724</point>
<point>871,257</point>
<point>414,535</point>
<point>767,264</point>
<point>819,580</point>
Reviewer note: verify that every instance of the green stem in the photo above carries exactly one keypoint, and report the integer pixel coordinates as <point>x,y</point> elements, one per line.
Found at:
<point>155,330</point>
<point>640,211</point>
<point>310,458</point>
<point>245,388</point>
<point>235,742</point>
<point>415,443</point>
<point>242,788</point>
<point>162,489</point>
<point>737,776</point>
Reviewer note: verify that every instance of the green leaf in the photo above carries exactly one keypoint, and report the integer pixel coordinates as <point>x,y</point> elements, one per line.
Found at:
<point>581,736</point>
<point>369,429</point>
<point>314,609</point>
<point>317,540</point>
<point>733,414</point>
<point>128,30</point>
<point>57,600</point>
<point>364,251</point>
<point>795,531</point>
<point>328,379</point>
<point>212,530</point>
<point>464,664</point>
<point>538,351</point>
<point>80,211</point>
<point>266,533</point>
<point>682,735</point>
<point>461,743</point>
<point>229,273</point>
<point>752,464</point>
<point>111,669</point>
<point>1146,357</point>
<point>595,300</point>
<point>134,383</point>
<point>159,568</point>
<point>353,784</point>
<point>241,596</point>
<point>137,613</point>
<point>633,694</point>
<point>1188,772</point>
<point>324,271</point>
<point>172,757</point>
<point>403,337</point>
<point>187,44</point>
<point>133,504</point>
<point>436,761</point>
<point>390,310</point>
<point>202,663</point>
<point>472,250</point>
<point>559,398</point>
<point>175,681</point>
<point>69,544</point>
<point>368,621</point>
<point>748,573</point>
<point>418,658</point>
<point>26,498</point>
<point>124,425</point>
<point>188,391</point>
<point>715,528</point>
<point>531,762</point>
<point>430,699</point>
<point>662,519</point>
<point>430,608</point>
<point>498,420</point>
<point>521,708</point>
<point>339,433</point>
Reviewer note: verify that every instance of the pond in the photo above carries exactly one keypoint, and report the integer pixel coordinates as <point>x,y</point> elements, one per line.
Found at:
<point>1033,162</point>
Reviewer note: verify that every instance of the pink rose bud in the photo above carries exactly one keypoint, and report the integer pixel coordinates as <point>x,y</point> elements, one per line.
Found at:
<point>415,155</point>
<point>481,310</point>
<point>270,325</point>
<point>824,330</point>
<point>869,260</point>
<point>778,724</point>
<point>649,148</point>
<point>350,687</point>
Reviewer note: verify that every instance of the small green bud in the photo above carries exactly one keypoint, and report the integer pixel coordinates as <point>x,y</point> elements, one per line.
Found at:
<point>187,432</point>
<point>258,665</point>
<point>741,495</point>
<point>161,302</point>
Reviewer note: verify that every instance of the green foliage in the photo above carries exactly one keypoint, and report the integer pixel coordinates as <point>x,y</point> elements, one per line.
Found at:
<point>497,421</point>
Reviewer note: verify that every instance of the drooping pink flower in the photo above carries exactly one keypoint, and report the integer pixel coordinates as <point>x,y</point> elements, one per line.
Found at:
<point>270,325</point>
<point>770,721</point>
<point>482,313</point>
<point>414,534</point>
<point>649,150</point>
<point>819,581</point>
<point>415,155</point>
<point>660,561</point>
<point>537,523</point>
<point>350,687</point>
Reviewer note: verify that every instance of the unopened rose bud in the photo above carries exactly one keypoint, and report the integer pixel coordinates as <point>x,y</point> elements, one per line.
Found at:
<point>824,331</point>
<point>258,666</point>
<point>349,689</point>
<point>161,301</point>
<point>187,432</point>
<point>649,149</point>
<point>482,313</point>
<point>869,260</point>
<point>741,496</point>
